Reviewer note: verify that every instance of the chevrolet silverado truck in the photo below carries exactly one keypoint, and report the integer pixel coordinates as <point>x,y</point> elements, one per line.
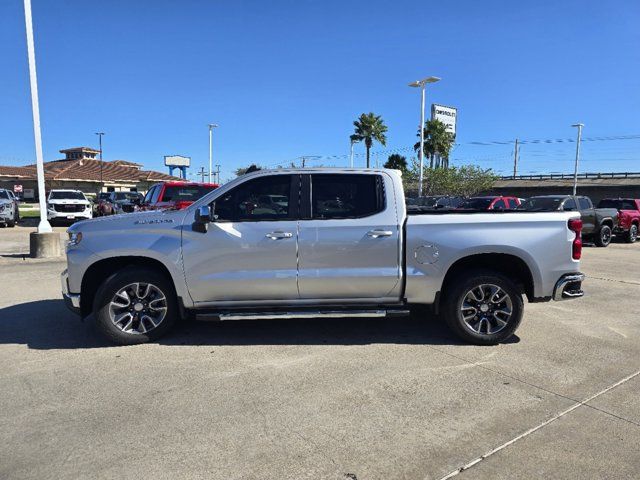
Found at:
<point>628,216</point>
<point>336,243</point>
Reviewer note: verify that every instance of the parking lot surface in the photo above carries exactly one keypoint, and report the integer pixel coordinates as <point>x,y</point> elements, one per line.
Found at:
<point>323,399</point>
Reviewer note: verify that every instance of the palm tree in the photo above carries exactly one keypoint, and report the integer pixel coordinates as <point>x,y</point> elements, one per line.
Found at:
<point>396,162</point>
<point>437,143</point>
<point>369,127</point>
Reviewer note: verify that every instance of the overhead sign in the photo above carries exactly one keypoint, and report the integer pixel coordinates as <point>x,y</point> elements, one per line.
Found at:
<point>17,189</point>
<point>177,161</point>
<point>446,115</point>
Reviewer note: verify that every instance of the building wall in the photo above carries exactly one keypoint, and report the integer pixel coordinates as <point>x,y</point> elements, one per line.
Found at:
<point>88,188</point>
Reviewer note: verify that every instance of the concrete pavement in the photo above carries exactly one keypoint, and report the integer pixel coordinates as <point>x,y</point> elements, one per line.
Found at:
<point>335,399</point>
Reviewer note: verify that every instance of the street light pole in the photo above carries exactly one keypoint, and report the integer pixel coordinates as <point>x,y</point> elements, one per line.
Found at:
<point>575,170</point>
<point>44,226</point>
<point>422,84</point>
<point>211,127</point>
<point>100,134</point>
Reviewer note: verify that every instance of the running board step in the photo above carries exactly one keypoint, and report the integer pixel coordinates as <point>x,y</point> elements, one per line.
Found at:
<point>301,314</point>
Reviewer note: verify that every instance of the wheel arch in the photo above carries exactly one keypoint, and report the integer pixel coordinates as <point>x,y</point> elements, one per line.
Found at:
<point>509,265</point>
<point>99,271</point>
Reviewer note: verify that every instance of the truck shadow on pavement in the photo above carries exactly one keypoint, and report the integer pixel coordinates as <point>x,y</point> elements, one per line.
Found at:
<point>47,324</point>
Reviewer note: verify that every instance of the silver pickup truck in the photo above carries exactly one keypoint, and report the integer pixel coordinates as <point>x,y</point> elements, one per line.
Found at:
<point>313,243</point>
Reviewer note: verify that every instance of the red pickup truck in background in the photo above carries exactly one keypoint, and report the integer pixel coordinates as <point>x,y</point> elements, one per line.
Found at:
<point>628,216</point>
<point>175,195</point>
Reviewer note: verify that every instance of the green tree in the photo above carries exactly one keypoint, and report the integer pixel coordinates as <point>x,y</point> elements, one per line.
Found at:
<point>369,128</point>
<point>437,143</point>
<point>396,162</point>
<point>465,181</point>
<point>243,170</point>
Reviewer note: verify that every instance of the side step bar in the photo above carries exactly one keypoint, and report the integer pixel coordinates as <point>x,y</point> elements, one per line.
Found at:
<point>224,316</point>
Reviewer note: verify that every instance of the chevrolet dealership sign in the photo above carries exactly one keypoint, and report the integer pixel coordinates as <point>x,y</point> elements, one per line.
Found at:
<point>446,115</point>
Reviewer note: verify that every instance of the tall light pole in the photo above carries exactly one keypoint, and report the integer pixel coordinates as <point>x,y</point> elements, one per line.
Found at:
<point>44,226</point>
<point>211,127</point>
<point>100,134</point>
<point>575,169</point>
<point>422,84</point>
<point>353,139</point>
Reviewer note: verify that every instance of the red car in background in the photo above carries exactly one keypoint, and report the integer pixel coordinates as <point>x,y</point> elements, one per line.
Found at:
<point>492,202</point>
<point>175,195</point>
<point>628,216</point>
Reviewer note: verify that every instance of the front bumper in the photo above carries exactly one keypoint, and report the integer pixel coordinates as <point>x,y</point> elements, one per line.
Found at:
<point>71,300</point>
<point>84,215</point>
<point>569,287</point>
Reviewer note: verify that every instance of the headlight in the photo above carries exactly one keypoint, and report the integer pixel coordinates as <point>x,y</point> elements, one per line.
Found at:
<point>75,238</point>
<point>3,207</point>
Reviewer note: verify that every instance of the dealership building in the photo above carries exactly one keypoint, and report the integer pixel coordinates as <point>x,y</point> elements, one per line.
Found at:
<point>81,169</point>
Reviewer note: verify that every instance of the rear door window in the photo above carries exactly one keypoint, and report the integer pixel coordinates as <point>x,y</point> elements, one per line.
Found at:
<point>513,203</point>
<point>346,196</point>
<point>499,204</point>
<point>585,203</point>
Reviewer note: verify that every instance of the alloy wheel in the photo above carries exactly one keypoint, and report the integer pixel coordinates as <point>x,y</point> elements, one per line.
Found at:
<point>138,308</point>
<point>486,309</point>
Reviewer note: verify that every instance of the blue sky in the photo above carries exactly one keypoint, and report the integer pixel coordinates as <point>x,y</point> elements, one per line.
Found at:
<point>287,78</point>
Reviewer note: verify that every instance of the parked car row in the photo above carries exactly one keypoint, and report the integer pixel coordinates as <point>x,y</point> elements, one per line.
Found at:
<point>611,217</point>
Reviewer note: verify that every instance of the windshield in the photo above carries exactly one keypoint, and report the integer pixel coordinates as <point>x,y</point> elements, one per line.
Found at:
<point>476,203</point>
<point>618,204</point>
<point>67,196</point>
<point>541,204</point>
<point>103,196</point>
<point>127,196</point>
<point>189,193</point>
<point>4,194</point>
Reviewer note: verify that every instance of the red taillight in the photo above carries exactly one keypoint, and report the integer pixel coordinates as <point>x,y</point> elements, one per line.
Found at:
<point>575,225</point>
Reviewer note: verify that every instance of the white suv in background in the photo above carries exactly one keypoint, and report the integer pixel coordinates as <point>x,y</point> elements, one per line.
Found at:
<point>69,205</point>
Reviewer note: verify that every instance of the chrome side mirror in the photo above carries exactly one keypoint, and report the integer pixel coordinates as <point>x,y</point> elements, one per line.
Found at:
<point>202,219</point>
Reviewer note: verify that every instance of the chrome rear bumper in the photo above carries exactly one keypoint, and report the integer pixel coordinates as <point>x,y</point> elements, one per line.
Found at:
<point>72,300</point>
<point>569,286</point>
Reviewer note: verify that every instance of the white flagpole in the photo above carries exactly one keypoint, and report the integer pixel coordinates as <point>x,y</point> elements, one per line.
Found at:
<point>43,226</point>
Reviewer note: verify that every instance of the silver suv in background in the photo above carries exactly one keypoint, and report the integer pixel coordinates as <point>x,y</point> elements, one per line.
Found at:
<point>68,205</point>
<point>8,208</point>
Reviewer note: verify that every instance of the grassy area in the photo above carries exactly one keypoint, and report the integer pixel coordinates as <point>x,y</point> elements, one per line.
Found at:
<point>29,213</point>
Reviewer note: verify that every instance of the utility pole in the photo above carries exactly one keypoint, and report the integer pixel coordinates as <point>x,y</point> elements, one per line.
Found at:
<point>100,134</point>
<point>201,173</point>
<point>575,170</point>
<point>211,127</point>
<point>515,160</point>
<point>218,174</point>
<point>422,84</point>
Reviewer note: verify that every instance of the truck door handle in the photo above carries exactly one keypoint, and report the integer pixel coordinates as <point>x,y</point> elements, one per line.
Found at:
<point>379,233</point>
<point>278,235</point>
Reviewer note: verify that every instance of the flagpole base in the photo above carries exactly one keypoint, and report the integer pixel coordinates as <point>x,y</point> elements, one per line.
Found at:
<point>44,245</point>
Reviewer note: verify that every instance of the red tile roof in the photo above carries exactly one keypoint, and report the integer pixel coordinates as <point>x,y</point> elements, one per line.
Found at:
<point>87,170</point>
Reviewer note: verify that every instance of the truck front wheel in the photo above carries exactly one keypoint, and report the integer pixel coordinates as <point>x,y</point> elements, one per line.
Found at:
<point>135,305</point>
<point>483,307</point>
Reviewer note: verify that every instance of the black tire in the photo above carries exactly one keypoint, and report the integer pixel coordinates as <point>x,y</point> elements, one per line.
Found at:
<point>495,333</point>
<point>11,223</point>
<point>603,237</point>
<point>119,280</point>
<point>632,234</point>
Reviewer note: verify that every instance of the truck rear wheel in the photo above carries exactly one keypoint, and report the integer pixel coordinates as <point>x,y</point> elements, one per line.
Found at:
<point>135,305</point>
<point>483,307</point>
<point>603,237</point>
<point>632,235</point>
